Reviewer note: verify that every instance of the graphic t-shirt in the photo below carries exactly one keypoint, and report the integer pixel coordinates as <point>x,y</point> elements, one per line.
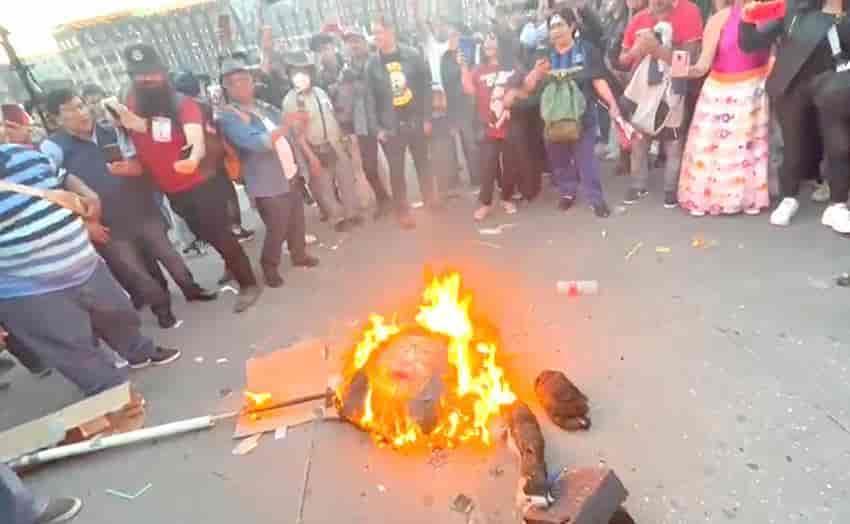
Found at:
<point>491,82</point>
<point>402,94</point>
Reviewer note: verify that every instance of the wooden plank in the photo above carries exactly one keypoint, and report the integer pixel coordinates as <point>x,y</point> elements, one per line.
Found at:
<point>49,430</point>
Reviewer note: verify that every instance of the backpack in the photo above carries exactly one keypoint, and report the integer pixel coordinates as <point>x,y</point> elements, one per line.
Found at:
<point>562,107</point>
<point>652,106</point>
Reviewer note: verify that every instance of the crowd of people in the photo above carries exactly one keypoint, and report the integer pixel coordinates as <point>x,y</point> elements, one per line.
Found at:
<point>120,185</point>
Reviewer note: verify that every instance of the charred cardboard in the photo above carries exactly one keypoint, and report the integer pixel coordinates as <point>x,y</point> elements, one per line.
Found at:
<point>296,371</point>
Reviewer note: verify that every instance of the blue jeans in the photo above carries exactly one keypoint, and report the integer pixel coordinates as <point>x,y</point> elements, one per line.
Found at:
<point>61,328</point>
<point>16,501</point>
<point>574,163</point>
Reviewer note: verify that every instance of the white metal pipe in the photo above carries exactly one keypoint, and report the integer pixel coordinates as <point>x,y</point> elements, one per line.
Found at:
<point>114,441</point>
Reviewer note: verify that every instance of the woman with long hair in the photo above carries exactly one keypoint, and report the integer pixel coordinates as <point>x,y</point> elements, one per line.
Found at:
<point>803,56</point>
<point>726,157</point>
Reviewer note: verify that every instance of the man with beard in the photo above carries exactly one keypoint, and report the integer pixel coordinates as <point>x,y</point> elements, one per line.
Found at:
<point>350,104</point>
<point>168,133</point>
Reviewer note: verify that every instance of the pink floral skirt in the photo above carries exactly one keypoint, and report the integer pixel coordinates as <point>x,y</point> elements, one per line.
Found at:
<point>725,161</point>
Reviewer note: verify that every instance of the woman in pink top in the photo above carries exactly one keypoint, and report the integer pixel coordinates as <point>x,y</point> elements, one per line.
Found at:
<point>725,162</point>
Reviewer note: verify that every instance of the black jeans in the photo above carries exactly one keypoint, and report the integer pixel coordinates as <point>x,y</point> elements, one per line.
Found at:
<point>801,136</point>
<point>835,130</point>
<point>283,216</point>
<point>234,213</point>
<point>514,169</point>
<point>204,209</point>
<point>129,256</point>
<point>410,136</point>
<point>368,146</point>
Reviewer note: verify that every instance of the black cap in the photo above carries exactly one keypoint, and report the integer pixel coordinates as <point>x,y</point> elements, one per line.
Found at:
<point>142,58</point>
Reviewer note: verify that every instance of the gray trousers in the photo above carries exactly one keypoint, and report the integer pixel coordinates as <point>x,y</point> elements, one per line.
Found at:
<point>17,503</point>
<point>640,163</point>
<point>339,176</point>
<point>125,255</point>
<point>61,329</point>
<point>283,216</point>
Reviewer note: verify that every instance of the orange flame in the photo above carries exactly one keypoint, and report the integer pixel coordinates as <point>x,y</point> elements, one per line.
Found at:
<point>475,389</point>
<point>258,400</point>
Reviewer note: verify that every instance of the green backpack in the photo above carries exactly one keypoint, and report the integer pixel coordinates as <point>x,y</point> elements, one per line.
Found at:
<point>562,106</point>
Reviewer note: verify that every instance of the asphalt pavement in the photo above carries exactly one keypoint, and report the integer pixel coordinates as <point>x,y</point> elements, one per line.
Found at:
<point>717,368</point>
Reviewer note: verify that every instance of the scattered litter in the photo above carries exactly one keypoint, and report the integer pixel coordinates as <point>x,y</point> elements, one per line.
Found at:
<point>199,360</point>
<point>604,233</point>
<point>438,458</point>
<point>634,251</point>
<point>247,445</point>
<point>228,289</point>
<point>225,392</point>
<point>128,496</point>
<point>462,504</point>
<point>576,288</point>
<point>490,231</point>
<point>843,280</point>
<point>177,324</point>
<point>281,432</point>
<point>222,361</point>
<point>620,210</point>
<point>382,488</point>
<point>417,205</point>
<point>498,230</point>
<point>818,283</point>
<point>497,471</point>
<point>699,242</point>
<point>490,244</point>
<point>663,250</point>
<point>310,239</point>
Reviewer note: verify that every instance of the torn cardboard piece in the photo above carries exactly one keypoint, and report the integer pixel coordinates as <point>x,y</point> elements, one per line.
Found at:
<point>297,371</point>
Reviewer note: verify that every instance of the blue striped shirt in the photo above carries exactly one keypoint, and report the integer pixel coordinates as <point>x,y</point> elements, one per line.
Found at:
<point>43,247</point>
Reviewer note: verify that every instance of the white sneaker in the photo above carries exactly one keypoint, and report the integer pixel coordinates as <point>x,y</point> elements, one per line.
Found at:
<point>837,216</point>
<point>783,213</point>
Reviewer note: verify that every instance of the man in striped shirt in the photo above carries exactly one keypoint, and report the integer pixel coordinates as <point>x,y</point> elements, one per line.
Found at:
<point>56,294</point>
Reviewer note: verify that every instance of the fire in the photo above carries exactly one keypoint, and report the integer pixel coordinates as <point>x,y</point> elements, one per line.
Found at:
<point>444,358</point>
<point>257,400</point>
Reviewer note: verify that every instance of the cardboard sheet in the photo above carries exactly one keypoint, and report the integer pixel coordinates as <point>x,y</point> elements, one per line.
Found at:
<point>297,371</point>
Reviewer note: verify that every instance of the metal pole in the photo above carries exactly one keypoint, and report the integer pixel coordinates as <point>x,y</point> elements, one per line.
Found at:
<point>115,441</point>
<point>24,73</point>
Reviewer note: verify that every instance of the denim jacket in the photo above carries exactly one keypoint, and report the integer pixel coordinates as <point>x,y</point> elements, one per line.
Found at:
<point>261,168</point>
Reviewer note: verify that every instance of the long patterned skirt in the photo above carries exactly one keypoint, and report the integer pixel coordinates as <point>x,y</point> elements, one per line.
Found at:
<point>726,158</point>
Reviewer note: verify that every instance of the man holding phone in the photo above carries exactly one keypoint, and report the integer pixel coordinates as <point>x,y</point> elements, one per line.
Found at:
<point>132,225</point>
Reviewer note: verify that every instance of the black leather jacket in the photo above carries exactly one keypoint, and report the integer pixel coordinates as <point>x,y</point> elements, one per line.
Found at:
<point>797,36</point>
<point>379,101</point>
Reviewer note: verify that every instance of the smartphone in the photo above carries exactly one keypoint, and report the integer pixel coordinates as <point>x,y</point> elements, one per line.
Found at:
<point>680,65</point>
<point>113,153</point>
<point>186,152</point>
<point>15,113</point>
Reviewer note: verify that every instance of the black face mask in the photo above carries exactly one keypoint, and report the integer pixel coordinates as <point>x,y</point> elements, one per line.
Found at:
<point>156,101</point>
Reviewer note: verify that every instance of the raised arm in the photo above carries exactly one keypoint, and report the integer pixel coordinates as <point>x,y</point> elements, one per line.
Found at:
<point>710,43</point>
<point>754,36</point>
